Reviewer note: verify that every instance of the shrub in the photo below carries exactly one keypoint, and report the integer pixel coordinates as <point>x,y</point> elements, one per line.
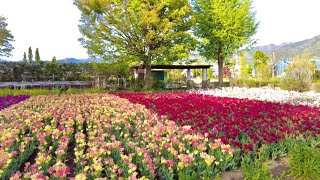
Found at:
<point>317,74</point>
<point>158,84</point>
<point>216,84</point>
<point>246,83</point>
<point>315,87</point>
<point>274,80</point>
<point>136,88</point>
<point>317,81</point>
<point>290,83</point>
<point>299,74</point>
<point>243,82</point>
<point>304,162</point>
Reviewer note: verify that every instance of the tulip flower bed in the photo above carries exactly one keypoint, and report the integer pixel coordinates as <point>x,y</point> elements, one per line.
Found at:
<point>244,123</point>
<point>308,98</point>
<point>6,101</point>
<point>101,135</point>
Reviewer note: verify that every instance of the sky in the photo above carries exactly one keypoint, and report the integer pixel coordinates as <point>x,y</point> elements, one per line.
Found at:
<point>52,25</point>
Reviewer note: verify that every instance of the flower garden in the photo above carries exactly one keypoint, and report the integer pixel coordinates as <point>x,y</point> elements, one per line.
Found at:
<point>244,123</point>
<point>102,135</point>
<point>143,136</point>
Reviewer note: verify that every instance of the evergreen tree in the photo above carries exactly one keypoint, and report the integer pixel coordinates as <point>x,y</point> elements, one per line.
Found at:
<point>53,68</point>
<point>30,55</point>
<point>37,56</point>
<point>54,60</point>
<point>24,58</point>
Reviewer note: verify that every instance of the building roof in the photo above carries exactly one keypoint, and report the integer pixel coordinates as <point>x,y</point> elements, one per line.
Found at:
<point>177,67</point>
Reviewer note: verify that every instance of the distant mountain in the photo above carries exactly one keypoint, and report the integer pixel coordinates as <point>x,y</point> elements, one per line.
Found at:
<point>266,48</point>
<point>2,60</point>
<point>289,50</point>
<point>270,47</point>
<point>77,61</point>
<point>72,60</point>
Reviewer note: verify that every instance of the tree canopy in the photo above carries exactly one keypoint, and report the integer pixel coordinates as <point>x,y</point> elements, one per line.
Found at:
<point>136,30</point>
<point>223,27</point>
<point>148,31</point>
<point>165,31</point>
<point>24,58</point>
<point>6,38</point>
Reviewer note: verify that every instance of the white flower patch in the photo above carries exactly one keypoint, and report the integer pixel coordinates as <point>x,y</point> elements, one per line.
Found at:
<point>309,98</point>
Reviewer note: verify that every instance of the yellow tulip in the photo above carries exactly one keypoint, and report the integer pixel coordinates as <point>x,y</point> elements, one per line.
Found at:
<point>80,177</point>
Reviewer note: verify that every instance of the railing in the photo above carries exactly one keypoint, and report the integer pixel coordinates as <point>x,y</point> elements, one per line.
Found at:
<point>45,84</point>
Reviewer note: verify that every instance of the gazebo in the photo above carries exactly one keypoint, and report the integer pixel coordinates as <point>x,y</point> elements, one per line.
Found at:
<point>205,82</point>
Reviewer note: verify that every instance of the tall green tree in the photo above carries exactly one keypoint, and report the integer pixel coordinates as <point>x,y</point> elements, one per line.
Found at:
<point>259,58</point>
<point>53,68</point>
<point>30,55</point>
<point>245,69</point>
<point>223,26</point>
<point>6,38</point>
<point>147,31</point>
<point>24,58</point>
<point>54,60</point>
<point>37,56</point>
<point>261,66</point>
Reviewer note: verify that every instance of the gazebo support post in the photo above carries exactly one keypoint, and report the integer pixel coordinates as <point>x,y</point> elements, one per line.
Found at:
<point>189,81</point>
<point>205,82</point>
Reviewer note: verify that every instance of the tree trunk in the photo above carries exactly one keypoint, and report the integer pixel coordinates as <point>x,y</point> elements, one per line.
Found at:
<point>148,80</point>
<point>220,70</point>
<point>141,74</point>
